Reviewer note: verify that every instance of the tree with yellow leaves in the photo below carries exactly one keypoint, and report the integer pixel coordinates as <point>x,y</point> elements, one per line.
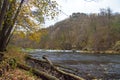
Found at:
<point>23,14</point>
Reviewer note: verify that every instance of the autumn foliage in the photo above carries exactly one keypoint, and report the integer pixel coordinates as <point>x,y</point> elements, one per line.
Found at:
<point>23,15</point>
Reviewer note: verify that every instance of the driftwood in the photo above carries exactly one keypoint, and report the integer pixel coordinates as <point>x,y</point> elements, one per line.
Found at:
<point>67,76</point>
<point>40,74</point>
<point>46,58</point>
<point>47,61</point>
<point>67,69</point>
<point>62,72</point>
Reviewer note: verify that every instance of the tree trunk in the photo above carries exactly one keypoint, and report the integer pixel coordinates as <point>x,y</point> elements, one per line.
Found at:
<point>8,27</point>
<point>1,1</point>
<point>3,12</point>
<point>12,27</point>
<point>2,20</point>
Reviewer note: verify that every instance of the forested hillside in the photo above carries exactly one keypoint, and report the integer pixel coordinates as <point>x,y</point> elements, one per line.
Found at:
<point>95,31</point>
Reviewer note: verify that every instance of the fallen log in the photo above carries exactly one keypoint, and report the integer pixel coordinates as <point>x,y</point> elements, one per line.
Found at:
<point>49,62</point>
<point>57,69</point>
<point>65,68</point>
<point>40,74</point>
<point>60,71</point>
<point>69,74</point>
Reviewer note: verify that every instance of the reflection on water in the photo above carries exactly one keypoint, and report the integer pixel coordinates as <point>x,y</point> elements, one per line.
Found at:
<point>98,65</point>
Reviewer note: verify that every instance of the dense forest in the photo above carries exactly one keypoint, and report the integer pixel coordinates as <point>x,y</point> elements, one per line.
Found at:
<point>95,31</point>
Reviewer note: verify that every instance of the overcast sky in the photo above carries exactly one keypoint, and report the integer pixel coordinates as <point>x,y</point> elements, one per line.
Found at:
<point>83,6</point>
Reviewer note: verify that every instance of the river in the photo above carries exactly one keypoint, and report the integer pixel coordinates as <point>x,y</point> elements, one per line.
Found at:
<point>101,66</point>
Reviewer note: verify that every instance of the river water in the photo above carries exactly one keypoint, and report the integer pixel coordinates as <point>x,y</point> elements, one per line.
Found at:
<point>101,66</point>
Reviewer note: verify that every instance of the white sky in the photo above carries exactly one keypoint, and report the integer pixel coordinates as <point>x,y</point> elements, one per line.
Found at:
<point>82,6</point>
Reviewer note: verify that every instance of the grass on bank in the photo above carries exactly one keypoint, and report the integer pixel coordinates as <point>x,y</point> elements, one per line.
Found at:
<point>18,74</point>
<point>15,53</point>
<point>15,73</point>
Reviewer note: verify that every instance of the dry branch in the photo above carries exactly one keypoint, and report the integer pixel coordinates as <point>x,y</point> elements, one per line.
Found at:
<point>40,74</point>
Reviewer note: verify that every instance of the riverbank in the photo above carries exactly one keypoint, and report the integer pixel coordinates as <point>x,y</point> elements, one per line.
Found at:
<point>100,52</point>
<point>88,66</point>
<point>8,66</point>
<point>16,62</point>
<point>74,51</point>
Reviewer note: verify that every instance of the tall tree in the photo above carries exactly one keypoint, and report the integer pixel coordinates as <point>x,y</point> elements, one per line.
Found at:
<point>20,13</point>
